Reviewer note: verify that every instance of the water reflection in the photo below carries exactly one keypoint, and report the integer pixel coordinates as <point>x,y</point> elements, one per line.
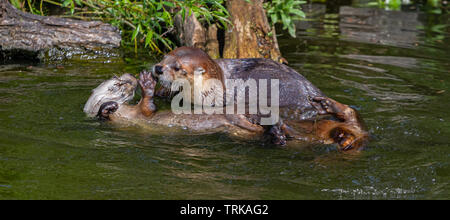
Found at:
<point>405,62</point>
<point>409,27</point>
<point>372,25</point>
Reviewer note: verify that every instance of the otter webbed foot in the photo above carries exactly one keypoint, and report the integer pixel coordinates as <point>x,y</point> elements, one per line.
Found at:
<point>106,109</point>
<point>343,138</point>
<point>350,133</point>
<point>325,105</point>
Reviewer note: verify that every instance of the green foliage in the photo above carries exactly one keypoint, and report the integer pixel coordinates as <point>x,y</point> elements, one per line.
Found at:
<point>285,12</point>
<point>17,3</point>
<point>142,22</point>
<point>431,6</point>
<point>210,11</point>
<point>434,6</point>
<point>149,22</point>
<point>394,5</point>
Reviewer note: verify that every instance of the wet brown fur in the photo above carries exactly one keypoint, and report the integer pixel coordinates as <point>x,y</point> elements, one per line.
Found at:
<point>188,60</point>
<point>347,131</point>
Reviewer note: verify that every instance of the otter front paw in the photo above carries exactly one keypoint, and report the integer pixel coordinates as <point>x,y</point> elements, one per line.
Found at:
<point>106,109</point>
<point>147,84</point>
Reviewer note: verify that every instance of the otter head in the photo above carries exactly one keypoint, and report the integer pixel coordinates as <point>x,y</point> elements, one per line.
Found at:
<point>182,63</point>
<point>117,89</point>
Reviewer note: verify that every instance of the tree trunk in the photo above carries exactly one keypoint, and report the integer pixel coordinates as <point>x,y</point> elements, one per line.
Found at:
<point>212,42</point>
<point>192,33</point>
<point>251,36</point>
<point>33,33</point>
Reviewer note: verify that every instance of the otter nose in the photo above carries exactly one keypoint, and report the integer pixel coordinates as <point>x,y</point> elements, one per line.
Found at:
<point>158,69</point>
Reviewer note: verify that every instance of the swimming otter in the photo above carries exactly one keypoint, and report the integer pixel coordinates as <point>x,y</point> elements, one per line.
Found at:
<point>299,100</point>
<point>295,90</point>
<point>109,102</point>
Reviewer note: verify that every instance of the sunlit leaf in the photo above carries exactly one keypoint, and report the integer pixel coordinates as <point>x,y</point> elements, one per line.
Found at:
<point>136,32</point>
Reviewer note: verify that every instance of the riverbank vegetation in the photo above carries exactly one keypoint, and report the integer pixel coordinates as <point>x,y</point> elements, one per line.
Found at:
<point>149,23</point>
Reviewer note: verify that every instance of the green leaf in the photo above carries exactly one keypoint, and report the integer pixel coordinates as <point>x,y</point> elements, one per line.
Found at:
<point>170,4</point>
<point>66,3</point>
<point>149,38</point>
<point>274,18</point>
<point>298,13</point>
<point>299,3</point>
<point>17,4</point>
<point>223,9</point>
<point>292,31</point>
<point>286,21</point>
<point>164,41</point>
<point>72,7</point>
<point>136,32</point>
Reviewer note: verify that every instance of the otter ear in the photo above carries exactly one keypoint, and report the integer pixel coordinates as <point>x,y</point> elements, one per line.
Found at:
<point>199,70</point>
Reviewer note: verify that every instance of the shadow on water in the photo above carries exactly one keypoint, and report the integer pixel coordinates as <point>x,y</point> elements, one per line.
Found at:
<point>393,66</point>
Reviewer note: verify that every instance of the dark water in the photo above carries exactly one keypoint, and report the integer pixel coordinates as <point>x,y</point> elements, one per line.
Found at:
<point>393,67</point>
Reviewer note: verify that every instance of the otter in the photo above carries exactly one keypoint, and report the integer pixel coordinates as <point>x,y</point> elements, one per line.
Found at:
<point>109,101</point>
<point>301,104</point>
<point>295,90</point>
